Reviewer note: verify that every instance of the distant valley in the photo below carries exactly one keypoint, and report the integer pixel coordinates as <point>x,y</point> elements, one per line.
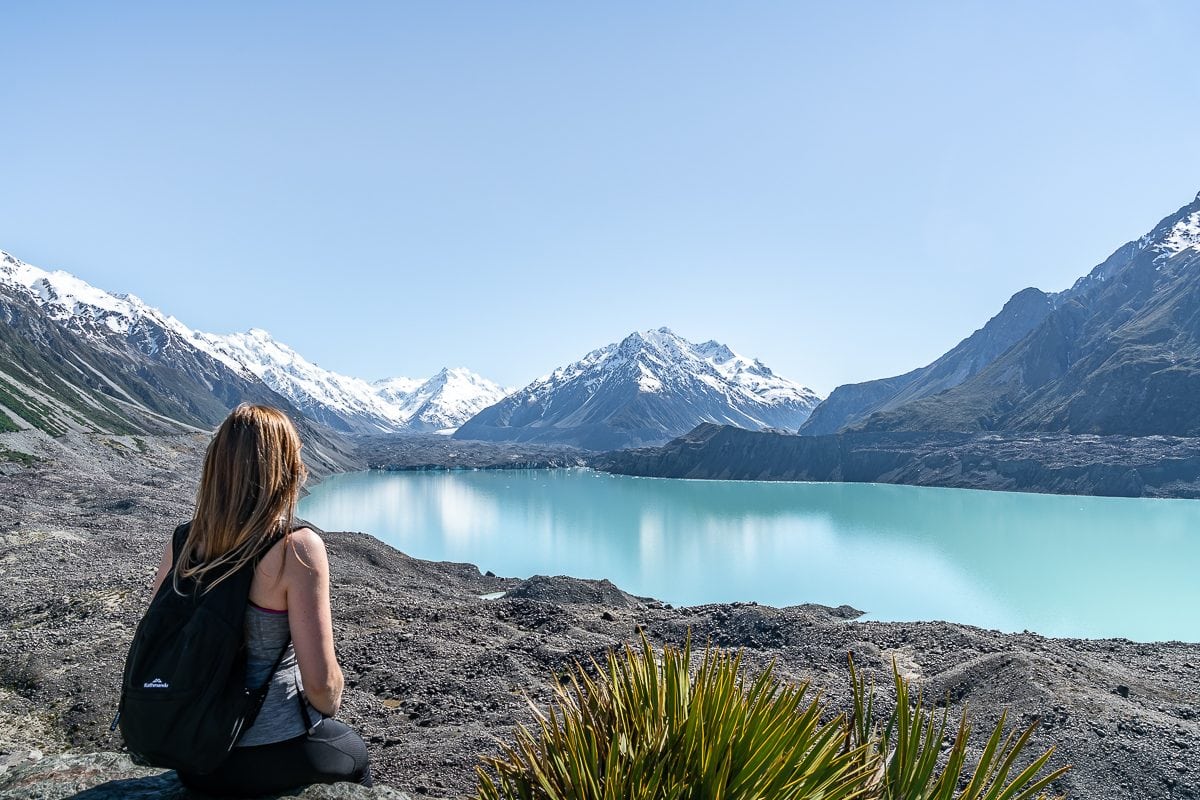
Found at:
<point>1115,356</point>
<point>106,403</point>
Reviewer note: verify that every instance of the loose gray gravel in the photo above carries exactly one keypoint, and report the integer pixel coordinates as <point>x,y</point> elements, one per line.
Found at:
<point>436,676</point>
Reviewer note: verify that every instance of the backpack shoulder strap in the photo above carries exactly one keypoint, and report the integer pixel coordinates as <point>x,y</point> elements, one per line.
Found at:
<point>275,537</point>
<point>177,539</point>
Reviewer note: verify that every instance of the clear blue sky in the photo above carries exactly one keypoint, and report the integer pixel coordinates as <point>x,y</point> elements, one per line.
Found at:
<point>844,190</point>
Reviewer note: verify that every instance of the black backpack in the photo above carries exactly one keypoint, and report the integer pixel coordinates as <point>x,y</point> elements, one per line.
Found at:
<point>184,701</point>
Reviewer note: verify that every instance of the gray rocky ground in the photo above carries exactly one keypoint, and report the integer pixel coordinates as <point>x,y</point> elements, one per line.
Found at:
<point>415,452</point>
<point>436,675</point>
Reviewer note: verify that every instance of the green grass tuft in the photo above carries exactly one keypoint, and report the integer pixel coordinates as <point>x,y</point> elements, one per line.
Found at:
<point>908,759</point>
<point>648,726</point>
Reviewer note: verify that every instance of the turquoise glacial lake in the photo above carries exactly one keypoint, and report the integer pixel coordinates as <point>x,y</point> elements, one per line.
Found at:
<point>1059,565</point>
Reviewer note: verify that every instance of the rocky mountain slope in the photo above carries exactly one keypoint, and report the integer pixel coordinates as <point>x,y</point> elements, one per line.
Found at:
<point>219,371</point>
<point>851,403</point>
<point>645,389</point>
<point>436,675</point>
<point>1114,354</point>
<point>1120,354</point>
<point>74,359</point>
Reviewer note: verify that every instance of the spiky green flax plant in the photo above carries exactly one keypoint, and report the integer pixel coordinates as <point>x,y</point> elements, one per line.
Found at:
<point>907,759</point>
<point>646,727</point>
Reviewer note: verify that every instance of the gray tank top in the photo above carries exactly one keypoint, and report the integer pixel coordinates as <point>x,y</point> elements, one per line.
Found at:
<point>280,718</point>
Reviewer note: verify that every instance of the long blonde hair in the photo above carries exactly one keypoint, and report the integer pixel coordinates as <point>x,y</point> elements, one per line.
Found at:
<point>248,490</point>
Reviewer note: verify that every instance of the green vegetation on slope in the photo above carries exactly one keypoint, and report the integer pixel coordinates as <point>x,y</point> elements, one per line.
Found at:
<point>18,457</point>
<point>35,413</point>
<point>647,728</point>
<point>6,423</point>
<point>18,358</point>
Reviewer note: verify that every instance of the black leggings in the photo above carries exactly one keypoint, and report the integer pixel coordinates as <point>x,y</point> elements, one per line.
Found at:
<point>333,752</point>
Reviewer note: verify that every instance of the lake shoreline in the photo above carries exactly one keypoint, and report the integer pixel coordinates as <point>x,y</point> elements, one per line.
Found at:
<point>903,553</point>
<point>1085,465</point>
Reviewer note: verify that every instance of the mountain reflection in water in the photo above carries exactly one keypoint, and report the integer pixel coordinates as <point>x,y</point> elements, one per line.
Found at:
<point>1059,565</point>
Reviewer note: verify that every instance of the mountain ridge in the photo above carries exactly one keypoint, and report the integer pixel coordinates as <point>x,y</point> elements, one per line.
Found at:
<point>851,403</point>
<point>979,384</point>
<point>342,403</point>
<point>1118,354</point>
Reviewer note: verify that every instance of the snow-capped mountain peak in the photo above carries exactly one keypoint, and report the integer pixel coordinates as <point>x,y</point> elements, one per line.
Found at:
<point>647,387</point>
<point>444,401</point>
<point>440,403</point>
<point>65,296</point>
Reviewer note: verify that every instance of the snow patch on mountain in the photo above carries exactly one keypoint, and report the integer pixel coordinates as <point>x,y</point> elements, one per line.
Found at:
<point>1184,235</point>
<point>66,297</point>
<point>440,403</point>
<point>315,391</point>
<point>446,400</point>
<point>396,390</point>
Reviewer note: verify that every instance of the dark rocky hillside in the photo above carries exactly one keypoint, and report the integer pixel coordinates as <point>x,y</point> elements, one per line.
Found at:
<point>1122,466</point>
<point>1119,354</point>
<point>1114,354</point>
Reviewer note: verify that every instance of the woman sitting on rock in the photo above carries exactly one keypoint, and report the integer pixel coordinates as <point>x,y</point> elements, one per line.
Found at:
<point>247,498</point>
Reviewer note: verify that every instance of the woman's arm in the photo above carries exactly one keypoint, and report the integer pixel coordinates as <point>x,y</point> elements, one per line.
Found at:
<point>306,578</point>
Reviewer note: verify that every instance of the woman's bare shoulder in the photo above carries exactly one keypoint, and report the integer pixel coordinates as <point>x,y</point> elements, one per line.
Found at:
<point>309,549</point>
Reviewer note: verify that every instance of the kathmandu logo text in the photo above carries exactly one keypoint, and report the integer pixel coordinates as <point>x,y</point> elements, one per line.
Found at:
<point>157,683</point>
